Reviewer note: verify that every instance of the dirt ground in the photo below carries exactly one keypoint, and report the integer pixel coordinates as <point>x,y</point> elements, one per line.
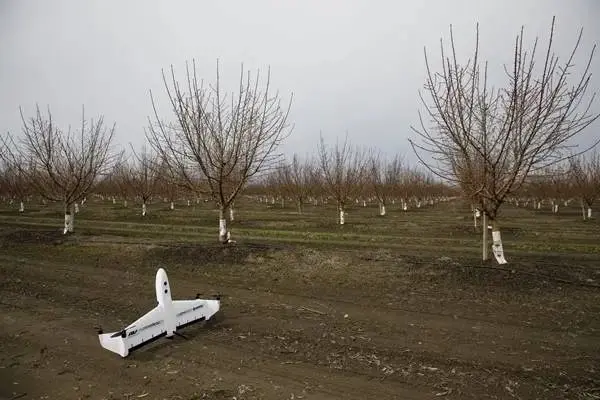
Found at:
<point>296,323</point>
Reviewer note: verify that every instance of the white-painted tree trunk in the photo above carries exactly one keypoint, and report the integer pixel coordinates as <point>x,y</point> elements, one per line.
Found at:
<point>172,207</point>
<point>539,205</point>
<point>125,203</point>
<point>231,214</point>
<point>21,207</point>
<point>143,209</point>
<point>497,246</point>
<point>364,203</point>
<point>188,203</point>
<point>476,214</point>
<point>419,204</point>
<point>555,208</point>
<point>589,212</point>
<point>224,234</point>
<point>222,230</point>
<point>69,222</point>
<point>76,208</point>
<point>382,209</point>
<point>484,255</point>
<point>114,200</point>
<point>342,216</point>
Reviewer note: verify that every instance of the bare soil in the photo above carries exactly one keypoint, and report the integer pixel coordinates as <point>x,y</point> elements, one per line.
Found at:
<point>296,322</point>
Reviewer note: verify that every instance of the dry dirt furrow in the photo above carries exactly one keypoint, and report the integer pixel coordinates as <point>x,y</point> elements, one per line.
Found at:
<point>69,299</point>
<point>70,351</point>
<point>461,337</point>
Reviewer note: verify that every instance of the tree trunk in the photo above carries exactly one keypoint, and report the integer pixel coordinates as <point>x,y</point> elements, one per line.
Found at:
<point>172,207</point>
<point>476,214</point>
<point>485,256</point>
<point>382,209</point>
<point>231,214</point>
<point>589,212</point>
<point>69,220</point>
<point>76,208</point>
<point>299,204</point>
<point>341,214</point>
<point>143,209</point>
<point>497,244</point>
<point>583,210</point>
<point>224,234</point>
<point>125,203</point>
<point>114,200</point>
<point>21,207</point>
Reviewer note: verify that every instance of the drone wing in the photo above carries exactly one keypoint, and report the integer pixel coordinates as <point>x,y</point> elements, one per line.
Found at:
<point>190,311</point>
<point>149,327</point>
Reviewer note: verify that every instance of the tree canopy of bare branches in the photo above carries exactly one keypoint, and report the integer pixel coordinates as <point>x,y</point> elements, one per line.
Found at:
<point>141,174</point>
<point>61,166</point>
<point>487,139</point>
<point>219,141</point>
<point>296,178</point>
<point>343,169</point>
<point>13,180</point>
<point>585,174</point>
<point>385,176</point>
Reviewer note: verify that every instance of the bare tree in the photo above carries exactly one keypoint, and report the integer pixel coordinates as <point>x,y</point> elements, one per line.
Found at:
<point>488,140</point>
<point>13,180</point>
<point>218,142</point>
<point>344,168</point>
<point>385,176</point>
<point>142,175</point>
<point>62,166</point>
<point>296,178</point>
<point>585,173</point>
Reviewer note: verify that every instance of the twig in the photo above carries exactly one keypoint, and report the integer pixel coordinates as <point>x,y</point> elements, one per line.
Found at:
<point>311,310</point>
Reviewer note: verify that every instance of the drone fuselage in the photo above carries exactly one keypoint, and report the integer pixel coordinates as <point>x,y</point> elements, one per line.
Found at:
<point>163,296</point>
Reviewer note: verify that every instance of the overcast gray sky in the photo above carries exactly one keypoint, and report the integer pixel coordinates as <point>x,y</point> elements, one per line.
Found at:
<point>353,66</point>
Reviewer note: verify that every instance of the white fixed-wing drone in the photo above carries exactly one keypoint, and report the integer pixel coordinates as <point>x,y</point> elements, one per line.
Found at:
<point>162,320</point>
